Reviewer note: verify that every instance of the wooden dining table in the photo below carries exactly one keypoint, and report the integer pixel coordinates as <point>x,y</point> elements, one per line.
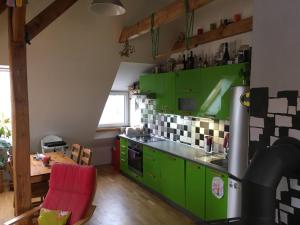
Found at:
<point>40,173</point>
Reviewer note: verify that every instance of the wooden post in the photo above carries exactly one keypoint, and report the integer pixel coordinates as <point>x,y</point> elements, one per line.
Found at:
<point>20,110</point>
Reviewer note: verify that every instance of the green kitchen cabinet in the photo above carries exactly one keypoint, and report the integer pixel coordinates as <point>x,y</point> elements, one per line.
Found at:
<point>151,168</point>
<point>148,84</point>
<point>124,155</point>
<point>165,102</point>
<point>195,189</point>
<point>206,92</point>
<point>216,195</point>
<point>173,178</point>
<point>163,87</point>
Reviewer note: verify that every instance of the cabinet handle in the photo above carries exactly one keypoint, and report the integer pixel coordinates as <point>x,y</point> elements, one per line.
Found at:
<point>170,157</point>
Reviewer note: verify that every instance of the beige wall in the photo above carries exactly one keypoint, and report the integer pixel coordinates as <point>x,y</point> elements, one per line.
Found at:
<point>71,68</point>
<point>72,65</point>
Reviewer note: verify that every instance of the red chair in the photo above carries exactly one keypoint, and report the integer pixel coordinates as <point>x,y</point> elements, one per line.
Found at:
<point>71,188</point>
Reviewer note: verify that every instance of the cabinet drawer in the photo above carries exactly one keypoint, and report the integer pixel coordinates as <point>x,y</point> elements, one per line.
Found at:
<point>123,143</point>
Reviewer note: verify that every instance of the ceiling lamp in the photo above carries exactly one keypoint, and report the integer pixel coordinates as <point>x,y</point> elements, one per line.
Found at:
<point>108,7</point>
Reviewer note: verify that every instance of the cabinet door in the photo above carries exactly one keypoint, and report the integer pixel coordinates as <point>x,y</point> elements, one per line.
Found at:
<point>216,195</point>
<point>173,178</point>
<point>151,167</point>
<point>217,89</point>
<point>148,84</point>
<point>189,81</point>
<point>195,189</point>
<point>165,99</point>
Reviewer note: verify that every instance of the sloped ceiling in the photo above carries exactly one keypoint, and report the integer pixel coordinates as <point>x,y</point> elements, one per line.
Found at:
<point>72,65</point>
<point>129,73</point>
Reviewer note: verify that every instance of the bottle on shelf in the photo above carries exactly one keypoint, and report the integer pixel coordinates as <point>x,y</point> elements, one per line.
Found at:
<point>226,56</point>
<point>191,61</point>
<point>184,62</point>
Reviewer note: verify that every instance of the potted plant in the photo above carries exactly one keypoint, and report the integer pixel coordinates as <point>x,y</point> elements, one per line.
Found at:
<point>5,127</point>
<point>5,146</point>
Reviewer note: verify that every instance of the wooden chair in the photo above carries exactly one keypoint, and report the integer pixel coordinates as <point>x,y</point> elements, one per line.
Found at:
<point>76,150</point>
<point>38,190</point>
<point>66,183</point>
<point>86,157</point>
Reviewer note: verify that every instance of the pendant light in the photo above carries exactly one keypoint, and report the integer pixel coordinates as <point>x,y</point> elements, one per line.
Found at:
<point>108,7</point>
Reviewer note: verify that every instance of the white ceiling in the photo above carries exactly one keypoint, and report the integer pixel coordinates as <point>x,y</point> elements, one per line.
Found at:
<point>129,73</point>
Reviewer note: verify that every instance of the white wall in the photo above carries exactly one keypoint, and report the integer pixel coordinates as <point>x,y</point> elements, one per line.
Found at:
<point>71,68</point>
<point>276,45</point>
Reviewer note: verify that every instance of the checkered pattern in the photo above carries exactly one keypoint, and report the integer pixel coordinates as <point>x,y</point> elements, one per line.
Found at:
<point>273,117</point>
<point>183,129</point>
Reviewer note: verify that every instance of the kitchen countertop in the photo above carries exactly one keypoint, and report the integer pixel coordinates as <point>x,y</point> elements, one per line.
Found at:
<point>186,152</point>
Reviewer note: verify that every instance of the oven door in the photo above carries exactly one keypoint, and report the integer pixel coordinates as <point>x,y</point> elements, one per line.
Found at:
<point>135,160</point>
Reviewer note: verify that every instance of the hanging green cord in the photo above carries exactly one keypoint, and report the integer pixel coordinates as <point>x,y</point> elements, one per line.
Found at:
<point>189,23</point>
<point>154,37</point>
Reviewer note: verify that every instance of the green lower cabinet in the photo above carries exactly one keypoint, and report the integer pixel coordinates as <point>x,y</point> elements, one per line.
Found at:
<point>151,167</point>
<point>123,155</point>
<point>195,189</point>
<point>173,178</point>
<point>216,195</point>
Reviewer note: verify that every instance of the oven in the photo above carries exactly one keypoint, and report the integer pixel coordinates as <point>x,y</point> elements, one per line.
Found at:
<point>135,157</point>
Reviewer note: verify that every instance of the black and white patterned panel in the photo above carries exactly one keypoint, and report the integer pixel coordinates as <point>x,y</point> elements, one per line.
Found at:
<point>184,129</point>
<point>273,117</point>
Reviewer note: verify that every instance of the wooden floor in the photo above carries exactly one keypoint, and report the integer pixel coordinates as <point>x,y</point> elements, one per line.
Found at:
<point>119,201</point>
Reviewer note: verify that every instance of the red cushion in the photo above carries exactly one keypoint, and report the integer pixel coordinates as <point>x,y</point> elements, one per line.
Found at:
<point>71,188</point>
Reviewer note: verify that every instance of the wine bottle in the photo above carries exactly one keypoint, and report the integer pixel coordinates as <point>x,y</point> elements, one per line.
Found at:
<point>191,61</point>
<point>184,62</point>
<point>226,56</point>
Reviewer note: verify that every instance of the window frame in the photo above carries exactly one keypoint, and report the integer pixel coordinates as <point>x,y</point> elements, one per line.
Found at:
<point>126,111</point>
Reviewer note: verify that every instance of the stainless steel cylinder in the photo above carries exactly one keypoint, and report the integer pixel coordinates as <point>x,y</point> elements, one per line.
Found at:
<point>239,133</point>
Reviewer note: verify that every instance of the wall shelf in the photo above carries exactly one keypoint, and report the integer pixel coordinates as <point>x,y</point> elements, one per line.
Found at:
<point>243,26</point>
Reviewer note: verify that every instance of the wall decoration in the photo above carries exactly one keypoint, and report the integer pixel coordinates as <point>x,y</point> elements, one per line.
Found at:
<point>271,119</point>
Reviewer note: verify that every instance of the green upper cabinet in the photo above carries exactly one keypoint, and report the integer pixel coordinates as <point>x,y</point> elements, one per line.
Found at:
<point>195,189</point>
<point>216,195</point>
<point>163,86</point>
<point>206,92</point>
<point>173,178</point>
<point>148,84</point>
<point>200,92</point>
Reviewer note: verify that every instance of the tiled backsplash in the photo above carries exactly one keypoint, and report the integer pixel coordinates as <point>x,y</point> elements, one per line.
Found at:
<point>187,130</point>
<point>273,117</point>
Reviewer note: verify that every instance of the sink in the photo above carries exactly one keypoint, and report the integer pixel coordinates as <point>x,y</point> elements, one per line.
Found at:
<point>220,162</point>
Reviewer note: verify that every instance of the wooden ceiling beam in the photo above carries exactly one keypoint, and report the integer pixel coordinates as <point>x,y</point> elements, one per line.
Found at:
<point>47,16</point>
<point>2,6</point>
<point>163,16</point>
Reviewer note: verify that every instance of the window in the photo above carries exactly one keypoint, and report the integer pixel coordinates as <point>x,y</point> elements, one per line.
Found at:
<point>5,101</point>
<point>115,112</point>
